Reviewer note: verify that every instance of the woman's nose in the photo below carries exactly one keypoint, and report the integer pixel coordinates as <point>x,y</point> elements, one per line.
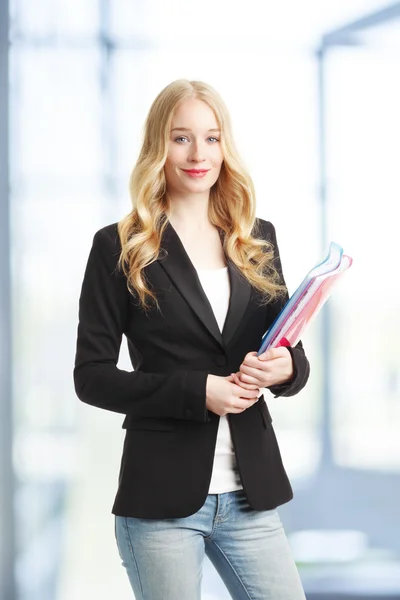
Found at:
<point>196,154</point>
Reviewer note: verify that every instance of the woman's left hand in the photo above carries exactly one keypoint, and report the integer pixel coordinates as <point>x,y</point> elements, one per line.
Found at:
<point>270,368</point>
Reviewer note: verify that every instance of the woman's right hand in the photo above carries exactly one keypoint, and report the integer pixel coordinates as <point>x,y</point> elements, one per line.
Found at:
<point>223,396</point>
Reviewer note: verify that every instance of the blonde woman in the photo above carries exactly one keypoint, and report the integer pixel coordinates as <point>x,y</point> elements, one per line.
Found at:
<point>192,279</point>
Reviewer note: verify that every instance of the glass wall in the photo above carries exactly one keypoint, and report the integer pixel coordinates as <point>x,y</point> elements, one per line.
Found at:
<point>364,190</point>
<point>346,516</point>
<point>83,75</point>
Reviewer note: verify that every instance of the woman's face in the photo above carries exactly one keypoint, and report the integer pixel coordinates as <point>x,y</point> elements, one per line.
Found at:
<point>194,155</point>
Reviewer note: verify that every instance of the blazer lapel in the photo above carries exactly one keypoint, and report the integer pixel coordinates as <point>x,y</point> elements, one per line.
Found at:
<point>181,271</point>
<point>183,274</point>
<point>239,300</point>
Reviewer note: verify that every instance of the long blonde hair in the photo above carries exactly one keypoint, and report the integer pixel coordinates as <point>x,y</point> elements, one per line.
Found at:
<point>231,202</point>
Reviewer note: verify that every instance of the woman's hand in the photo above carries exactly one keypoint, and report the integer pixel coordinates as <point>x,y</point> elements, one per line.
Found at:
<point>223,396</point>
<point>270,368</point>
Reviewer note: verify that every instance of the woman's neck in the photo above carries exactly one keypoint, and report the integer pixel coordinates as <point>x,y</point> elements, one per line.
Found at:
<point>189,214</point>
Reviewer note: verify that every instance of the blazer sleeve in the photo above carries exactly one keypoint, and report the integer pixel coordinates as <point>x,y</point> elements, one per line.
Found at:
<point>103,318</point>
<point>301,366</point>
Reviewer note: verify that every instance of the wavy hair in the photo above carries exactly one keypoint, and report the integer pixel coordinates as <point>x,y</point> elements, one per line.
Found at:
<point>231,202</point>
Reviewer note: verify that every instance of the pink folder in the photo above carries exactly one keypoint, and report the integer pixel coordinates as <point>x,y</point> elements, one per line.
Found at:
<point>307,301</point>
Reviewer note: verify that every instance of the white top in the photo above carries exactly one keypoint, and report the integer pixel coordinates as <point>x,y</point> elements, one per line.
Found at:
<point>225,475</point>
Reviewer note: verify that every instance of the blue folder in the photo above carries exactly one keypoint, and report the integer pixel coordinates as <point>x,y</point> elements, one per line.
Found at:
<point>330,263</point>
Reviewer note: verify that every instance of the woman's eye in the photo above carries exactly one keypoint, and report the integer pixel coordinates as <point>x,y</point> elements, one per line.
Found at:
<point>183,139</point>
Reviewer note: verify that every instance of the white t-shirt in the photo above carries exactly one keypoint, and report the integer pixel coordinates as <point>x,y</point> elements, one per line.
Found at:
<point>225,475</point>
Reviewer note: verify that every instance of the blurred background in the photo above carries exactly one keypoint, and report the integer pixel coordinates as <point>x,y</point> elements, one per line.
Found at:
<point>313,88</point>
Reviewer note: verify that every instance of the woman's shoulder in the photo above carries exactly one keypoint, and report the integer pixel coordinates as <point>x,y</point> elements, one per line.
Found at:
<point>108,236</point>
<point>264,223</point>
<point>106,246</point>
<point>264,229</point>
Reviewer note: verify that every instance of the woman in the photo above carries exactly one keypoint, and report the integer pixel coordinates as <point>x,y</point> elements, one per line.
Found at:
<point>193,280</point>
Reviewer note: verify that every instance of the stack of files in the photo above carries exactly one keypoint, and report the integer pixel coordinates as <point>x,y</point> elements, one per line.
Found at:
<point>307,300</point>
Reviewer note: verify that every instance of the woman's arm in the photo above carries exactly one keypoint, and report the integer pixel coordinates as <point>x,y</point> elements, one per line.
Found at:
<point>103,318</point>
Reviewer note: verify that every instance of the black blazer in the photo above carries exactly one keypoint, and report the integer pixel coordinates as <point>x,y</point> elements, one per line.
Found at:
<point>170,435</point>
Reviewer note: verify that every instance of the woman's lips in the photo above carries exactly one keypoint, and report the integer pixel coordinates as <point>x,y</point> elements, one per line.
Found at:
<point>196,172</point>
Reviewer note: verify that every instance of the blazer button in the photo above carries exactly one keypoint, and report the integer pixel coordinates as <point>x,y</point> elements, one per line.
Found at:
<point>221,361</point>
<point>189,413</point>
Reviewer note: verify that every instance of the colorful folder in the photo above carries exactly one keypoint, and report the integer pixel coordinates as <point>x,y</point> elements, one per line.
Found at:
<point>307,300</point>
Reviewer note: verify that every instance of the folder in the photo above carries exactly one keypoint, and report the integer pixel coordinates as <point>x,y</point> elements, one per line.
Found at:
<point>307,300</point>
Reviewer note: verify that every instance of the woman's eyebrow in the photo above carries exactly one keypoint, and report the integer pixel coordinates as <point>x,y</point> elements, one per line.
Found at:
<point>186,129</point>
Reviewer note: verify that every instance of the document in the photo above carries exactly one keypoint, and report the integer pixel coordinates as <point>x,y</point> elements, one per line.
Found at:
<point>307,300</point>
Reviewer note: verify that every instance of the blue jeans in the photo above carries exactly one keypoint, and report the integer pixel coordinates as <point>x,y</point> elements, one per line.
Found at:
<point>248,548</point>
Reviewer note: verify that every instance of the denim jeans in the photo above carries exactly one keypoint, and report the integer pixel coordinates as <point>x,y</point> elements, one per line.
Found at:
<point>248,548</point>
